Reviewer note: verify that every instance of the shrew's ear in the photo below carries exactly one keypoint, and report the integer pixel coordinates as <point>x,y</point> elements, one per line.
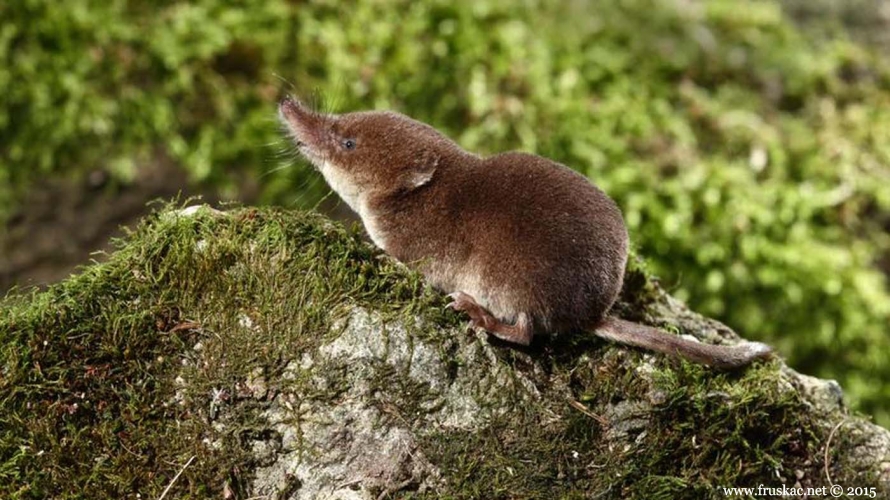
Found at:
<point>421,170</point>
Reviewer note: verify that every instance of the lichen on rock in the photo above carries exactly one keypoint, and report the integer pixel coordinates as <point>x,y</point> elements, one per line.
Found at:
<point>365,438</point>
<point>288,359</point>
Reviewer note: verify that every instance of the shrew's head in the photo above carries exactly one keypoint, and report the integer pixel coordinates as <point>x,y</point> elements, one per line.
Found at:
<point>379,152</point>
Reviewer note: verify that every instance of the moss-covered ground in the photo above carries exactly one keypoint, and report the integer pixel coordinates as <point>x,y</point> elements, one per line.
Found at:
<point>91,406</point>
<point>683,431</point>
<point>111,381</point>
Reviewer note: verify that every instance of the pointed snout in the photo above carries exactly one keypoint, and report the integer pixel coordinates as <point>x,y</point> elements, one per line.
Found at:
<point>292,111</point>
<point>304,124</point>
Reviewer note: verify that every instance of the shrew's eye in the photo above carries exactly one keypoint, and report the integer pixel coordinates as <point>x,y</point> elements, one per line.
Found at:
<point>349,144</point>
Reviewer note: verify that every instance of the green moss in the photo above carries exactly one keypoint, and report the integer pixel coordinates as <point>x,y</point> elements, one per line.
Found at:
<point>89,397</point>
<point>719,430</point>
<point>504,459</point>
<point>675,431</point>
<point>695,431</point>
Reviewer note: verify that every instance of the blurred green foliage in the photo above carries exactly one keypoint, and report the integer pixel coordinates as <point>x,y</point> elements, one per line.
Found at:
<point>752,161</point>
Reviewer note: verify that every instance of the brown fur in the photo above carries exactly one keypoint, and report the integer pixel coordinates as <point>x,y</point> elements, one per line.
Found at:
<point>523,236</point>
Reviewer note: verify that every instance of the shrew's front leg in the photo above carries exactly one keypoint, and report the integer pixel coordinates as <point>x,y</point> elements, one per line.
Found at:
<point>520,333</point>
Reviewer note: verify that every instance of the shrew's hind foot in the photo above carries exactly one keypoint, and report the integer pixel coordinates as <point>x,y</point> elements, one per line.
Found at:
<point>520,333</point>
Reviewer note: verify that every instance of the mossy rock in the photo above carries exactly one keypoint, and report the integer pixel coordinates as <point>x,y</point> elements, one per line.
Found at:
<point>274,354</point>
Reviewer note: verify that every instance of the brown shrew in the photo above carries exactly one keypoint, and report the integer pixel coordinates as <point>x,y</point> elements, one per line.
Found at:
<point>522,244</point>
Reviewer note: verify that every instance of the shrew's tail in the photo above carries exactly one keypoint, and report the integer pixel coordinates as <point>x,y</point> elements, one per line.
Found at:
<point>717,356</point>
